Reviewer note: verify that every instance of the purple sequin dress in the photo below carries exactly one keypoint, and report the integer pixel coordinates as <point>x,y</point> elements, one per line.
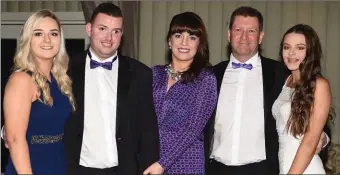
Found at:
<point>182,113</point>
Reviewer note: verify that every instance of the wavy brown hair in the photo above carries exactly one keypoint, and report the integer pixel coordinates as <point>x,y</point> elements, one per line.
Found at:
<point>310,69</point>
<point>193,24</point>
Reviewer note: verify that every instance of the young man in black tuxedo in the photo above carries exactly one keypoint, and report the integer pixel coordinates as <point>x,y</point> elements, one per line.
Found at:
<point>114,128</point>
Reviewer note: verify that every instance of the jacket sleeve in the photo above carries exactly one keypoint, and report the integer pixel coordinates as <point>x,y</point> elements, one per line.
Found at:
<point>149,138</point>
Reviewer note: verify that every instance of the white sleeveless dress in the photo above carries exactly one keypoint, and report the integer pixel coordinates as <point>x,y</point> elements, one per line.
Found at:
<point>288,144</point>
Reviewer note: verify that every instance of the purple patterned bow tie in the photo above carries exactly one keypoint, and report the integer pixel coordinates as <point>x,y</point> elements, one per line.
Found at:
<point>241,65</point>
<point>105,65</point>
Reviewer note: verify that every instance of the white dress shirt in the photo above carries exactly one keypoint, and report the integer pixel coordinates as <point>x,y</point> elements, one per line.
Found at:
<point>99,148</point>
<point>239,136</point>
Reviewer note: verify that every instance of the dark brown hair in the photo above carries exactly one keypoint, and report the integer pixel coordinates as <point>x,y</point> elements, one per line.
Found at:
<point>106,8</point>
<point>246,11</point>
<point>303,95</point>
<point>190,22</point>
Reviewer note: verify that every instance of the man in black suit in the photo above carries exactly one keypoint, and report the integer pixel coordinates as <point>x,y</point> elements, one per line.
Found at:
<point>241,137</point>
<point>114,128</point>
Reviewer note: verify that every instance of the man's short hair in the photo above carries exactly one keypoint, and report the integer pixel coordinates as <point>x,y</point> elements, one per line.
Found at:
<point>108,9</point>
<point>246,11</point>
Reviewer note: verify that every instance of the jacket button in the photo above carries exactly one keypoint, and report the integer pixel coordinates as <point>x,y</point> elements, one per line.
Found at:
<point>119,138</point>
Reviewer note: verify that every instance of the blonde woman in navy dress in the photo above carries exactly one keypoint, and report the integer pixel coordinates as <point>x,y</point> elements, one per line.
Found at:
<point>185,96</point>
<point>38,99</point>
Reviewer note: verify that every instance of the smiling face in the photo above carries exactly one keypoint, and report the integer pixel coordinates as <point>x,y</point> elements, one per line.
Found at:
<point>245,36</point>
<point>45,42</point>
<point>183,46</point>
<point>105,33</point>
<point>294,50</point>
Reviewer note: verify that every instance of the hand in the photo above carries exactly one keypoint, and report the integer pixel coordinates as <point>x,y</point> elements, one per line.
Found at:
<point>155,168</point>
<point>3,136</point>
<point>322,142</point>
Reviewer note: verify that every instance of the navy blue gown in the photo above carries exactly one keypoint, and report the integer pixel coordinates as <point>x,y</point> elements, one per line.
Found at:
<point>45,133</point>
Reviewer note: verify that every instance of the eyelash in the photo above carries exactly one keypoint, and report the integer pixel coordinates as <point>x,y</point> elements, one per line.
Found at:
<point>117,31</point>
<point>286,48</point>
<point>40,33</point>
<point>193,37</point>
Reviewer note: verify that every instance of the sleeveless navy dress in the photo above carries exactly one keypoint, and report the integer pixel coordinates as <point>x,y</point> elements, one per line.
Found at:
<point>45,134</point>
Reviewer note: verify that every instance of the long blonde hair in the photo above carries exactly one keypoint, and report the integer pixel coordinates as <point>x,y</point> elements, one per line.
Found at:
<point>24,60</point>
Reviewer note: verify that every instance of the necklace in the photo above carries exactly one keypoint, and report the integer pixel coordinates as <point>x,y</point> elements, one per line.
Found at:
<point>174,75</point>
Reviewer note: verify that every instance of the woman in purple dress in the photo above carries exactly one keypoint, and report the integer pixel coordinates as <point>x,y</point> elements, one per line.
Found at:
<point>185,96</point>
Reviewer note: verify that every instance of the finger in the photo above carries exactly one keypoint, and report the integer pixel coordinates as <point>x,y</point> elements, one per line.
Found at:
<point>6,143</point>
<point>318,148</point>
<point>317,151</point>
<point>323,136</point>
<point>147,171</point>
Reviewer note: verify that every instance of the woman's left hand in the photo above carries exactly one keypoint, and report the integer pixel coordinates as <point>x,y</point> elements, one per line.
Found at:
<point>155,168</point>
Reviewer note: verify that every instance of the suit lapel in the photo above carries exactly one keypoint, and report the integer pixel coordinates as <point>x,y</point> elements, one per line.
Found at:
<point>219,70</point>
<point>268,80</point>
<point>124,79</point>
<point>78,79</point>
<point>219,73</point>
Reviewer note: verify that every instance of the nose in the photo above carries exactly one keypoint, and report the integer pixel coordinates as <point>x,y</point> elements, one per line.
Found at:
<point>108,35</point>
<point>291,51</point>
<point>244,35</point>
<point>184,41</point>
<point>47,38</point>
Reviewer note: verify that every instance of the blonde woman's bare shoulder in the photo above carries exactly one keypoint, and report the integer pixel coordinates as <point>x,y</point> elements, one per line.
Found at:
<point>20,77</point>
<point>20,81</point>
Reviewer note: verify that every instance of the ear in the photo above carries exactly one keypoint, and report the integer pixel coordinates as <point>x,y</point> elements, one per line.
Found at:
<point>169,43</point>
<point>228,35</point>
<point>261,37</point>
<point>88,29</point>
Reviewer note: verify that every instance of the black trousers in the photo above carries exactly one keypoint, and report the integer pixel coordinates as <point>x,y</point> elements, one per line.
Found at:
<point>217,168</point>
<point>96,171</point>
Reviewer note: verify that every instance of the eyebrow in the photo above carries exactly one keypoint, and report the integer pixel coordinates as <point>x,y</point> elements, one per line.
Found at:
<point>296,44</point>
<point>53,30</point>
<point>102,25</point>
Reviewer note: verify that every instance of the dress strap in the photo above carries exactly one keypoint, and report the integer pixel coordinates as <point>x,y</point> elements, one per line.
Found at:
<point>26,71</point>
<point>286,80</point>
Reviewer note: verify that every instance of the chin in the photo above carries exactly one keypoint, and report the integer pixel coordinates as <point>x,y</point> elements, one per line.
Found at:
<point>186,59</point>
<point>293,68</point>
<point>108,51</point>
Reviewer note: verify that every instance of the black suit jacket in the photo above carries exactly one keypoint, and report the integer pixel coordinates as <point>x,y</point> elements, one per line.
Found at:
<point>274,74</point>
<point>136,123</point>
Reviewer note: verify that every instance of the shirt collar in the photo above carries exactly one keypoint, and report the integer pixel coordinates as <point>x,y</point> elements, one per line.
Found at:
<point>94,57</point>
<point>253,60</point>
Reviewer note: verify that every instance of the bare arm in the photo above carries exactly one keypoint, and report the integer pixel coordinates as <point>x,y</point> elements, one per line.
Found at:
<point>17,104</point>
<point>321,107</point>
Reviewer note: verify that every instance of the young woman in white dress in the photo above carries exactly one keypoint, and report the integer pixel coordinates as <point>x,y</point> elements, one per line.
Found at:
<point>302,108</point>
